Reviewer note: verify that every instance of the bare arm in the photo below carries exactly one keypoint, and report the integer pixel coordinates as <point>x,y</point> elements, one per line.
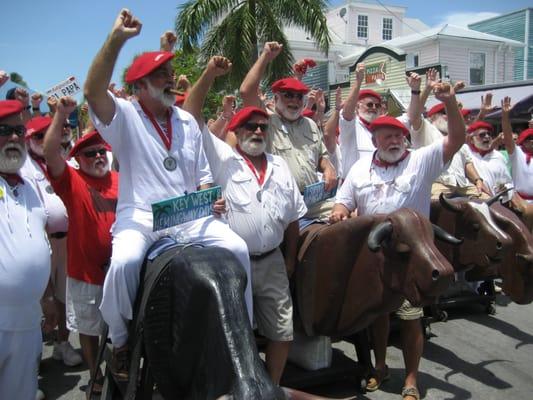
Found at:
<point>329,173</point>
<point>330,130</point>
<point>506,125</point>
<point>414,111</point>
<point>338,213</point>
<point>125,27</point>
<point>456,125</point>
<point>290,239</point>
<point>52,140</point>
<point>432,77</point>
<point>348,110</point>
<point>250,85</point>
<point>217,66</point>
<point>473,176</point>
<point>218,128</point>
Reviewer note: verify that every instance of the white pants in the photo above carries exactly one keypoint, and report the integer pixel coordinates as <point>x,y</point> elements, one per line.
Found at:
<point>132,239</point>
<point>20,354</point>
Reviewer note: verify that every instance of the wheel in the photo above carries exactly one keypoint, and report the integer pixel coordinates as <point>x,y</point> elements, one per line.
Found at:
<point>491,310</point>
<point>442,316</point>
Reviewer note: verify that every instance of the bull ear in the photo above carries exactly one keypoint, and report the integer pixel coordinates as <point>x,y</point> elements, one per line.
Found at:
<point>496,197</point>
<point>449,205</point>
<point>378,234</point>
<point>441,234</point>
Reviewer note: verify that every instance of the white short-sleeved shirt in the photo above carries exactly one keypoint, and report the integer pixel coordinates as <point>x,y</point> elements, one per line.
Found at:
<point>522,172</point>
<point>491,168</point>
<point>355,141</point>
<point>57,213</point>
<point>260,223</point>
<point>371,189</point>
<point>140,152</point>
<point>25,256</point>
<point>454,175</point>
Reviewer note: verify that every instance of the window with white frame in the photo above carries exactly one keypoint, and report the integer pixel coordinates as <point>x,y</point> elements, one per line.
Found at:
<point>362,26</point>
<point>387,29</point>
<point>411,60</point>
<point>477,68</point>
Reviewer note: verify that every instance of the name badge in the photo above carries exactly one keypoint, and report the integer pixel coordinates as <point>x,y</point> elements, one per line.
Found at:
<point>316,193</point>
<point>189,207</point>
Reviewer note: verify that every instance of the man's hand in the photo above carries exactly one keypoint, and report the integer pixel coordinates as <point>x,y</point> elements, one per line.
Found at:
<point>22,96</point>
<point>272,50</point>
<point>506,105</point>
<point>311,98</point>
<point>51,314</point>
<point>219,207</point>
<point>482,187</point>
<point>126,26</point>
<point>168,41</point>
<point>66,105</point>
<point>4,77</point>
<point>219,65</point>
<point>337,216</point>
<point>183,83</point>
<point>459,85</point>
<point>52,104</point>
<point>320,101</point>
<point>486,104</point>
<point>444,92</point>
<point>36,100</point>
<point>360,72</point>
<point>432,77</point>
<point>338,99</point>
<point>414,80</point>
<point>228,106</point>
<point>330,179</point>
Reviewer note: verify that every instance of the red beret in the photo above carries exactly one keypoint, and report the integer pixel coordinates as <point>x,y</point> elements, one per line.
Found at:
<point>524,135</point>
<point>36,125</point>
<point>289,85</point>
<point>387,121</point>
<point>87,140</point>
<point>465,112</point>
<point>438,108</point>
<point>243,115</point>
<point>10,107</point>
<point>307,112</point>
<point>146,63</point>
<point>180,99</point>
<point>369,93</point>
<point>479,125</point>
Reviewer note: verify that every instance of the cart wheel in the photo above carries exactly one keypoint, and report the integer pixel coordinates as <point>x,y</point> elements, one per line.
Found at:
<point>491,310</point>
<point>442,316</point>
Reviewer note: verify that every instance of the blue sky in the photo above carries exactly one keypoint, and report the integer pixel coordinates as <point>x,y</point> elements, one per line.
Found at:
<point>48,41</point>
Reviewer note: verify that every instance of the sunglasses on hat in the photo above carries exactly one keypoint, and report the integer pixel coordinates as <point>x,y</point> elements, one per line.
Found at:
<point>8,130</point>
<point>93,153</point>
<point>252,127</point>
<point>292,95</point>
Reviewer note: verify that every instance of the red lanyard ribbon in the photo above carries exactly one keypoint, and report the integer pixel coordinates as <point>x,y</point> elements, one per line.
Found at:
<point>476,150</point>
<point>165,137</point>
<point>261,176</point>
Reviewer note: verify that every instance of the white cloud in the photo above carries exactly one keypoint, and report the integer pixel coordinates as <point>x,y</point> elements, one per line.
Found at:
<point>465,18</point>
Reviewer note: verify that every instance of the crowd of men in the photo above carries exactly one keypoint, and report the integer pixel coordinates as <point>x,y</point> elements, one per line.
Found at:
<point>75,232</point>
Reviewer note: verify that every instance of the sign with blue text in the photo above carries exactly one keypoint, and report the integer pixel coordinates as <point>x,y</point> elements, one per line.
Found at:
<point>317,192</point>
<point>178,210</point>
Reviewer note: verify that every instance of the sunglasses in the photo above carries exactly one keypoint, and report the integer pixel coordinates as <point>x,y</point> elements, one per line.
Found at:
<point>377,106</point>
<point>93,153</point>
<point>38,136</point>
<point>252,127</point>
<point>8,130</point>
<point>292,95</point>
<point>484,134</point>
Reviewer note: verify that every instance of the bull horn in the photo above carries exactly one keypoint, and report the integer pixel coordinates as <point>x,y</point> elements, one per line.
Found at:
<point>378,234</point>
<point>496,197</point>
<point>441,234</point>
<point>526,257</point>
<point>449,205</point>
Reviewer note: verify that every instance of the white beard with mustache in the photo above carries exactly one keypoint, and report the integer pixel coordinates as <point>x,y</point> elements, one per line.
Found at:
<point>392,154</point>
<point>286,113</point>
<point>368,117</point>
<point>480,145</point>
<point>10,164</point>
<point>168,99</point>
<point>250,146</point>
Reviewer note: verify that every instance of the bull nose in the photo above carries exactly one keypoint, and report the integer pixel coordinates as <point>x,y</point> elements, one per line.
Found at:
<point>435,274</point>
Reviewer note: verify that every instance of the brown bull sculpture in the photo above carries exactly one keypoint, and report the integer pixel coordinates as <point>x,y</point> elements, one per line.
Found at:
<point>356,270</point>
<point>484,244</point>
<point>516,269</point>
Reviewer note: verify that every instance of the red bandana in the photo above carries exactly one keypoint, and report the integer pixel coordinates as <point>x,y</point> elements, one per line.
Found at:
<point>483,153</point>
<point>39,160</point>
<point>385,164</point>
<point>12,179</point>
<point>365,123</point>
<point>261,176</point>
<point>528,154</point>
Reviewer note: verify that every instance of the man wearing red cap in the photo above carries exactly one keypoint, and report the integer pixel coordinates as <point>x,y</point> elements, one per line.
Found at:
<point>25,264</point>
<point>35,168</point>
<point>393,178</point>
<point>293,137</point>
<point>90,196</point>
<point>489,163</point>
<point>159,149</point>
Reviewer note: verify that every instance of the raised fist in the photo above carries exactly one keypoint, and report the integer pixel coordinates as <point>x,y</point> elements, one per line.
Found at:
<point>126,25</point>
<point>36,100</point>
<point>219,65</point>
<point>272,49</point>
<point>66,105</point>
<point>168,41</point>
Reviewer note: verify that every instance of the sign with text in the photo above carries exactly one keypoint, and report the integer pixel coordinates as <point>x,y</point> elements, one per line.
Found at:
<point>375,73</point>
<point>317,192</point>
<point>69,87</point>
<point>178,210</point>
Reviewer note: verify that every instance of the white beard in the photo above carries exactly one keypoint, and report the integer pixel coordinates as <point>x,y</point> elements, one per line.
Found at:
<point>10,164</point>
<point>368,117</point>
<point>168,99</point>
<point>250,146</point>
<point>284,111</point>
<point>36,148</point>
<point>480,145</point>
<point>392,154</point>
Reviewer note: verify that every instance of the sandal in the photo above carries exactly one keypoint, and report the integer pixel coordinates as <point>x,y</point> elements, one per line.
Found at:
<point>410,391</point>
<point>377,379</point>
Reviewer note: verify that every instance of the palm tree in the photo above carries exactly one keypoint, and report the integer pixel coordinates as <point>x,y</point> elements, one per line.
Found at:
<point>237,29</point>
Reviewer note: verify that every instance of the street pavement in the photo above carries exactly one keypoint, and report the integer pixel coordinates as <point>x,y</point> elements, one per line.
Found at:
<point>471,356</point>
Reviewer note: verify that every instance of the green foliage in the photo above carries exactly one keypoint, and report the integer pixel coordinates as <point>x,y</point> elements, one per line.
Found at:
<point>17,78</point>
<point>237,29</point>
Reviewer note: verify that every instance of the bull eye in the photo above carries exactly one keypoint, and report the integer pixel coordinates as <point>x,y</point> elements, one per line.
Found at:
<point>476,227</point>
<point>402,248</point>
